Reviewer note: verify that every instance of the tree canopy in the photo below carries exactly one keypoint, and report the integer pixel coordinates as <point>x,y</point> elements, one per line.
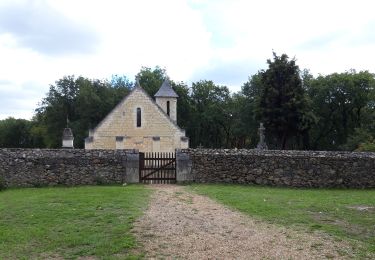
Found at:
<point>283,106</point>
<point>299,111</point>
<point>78,103</point>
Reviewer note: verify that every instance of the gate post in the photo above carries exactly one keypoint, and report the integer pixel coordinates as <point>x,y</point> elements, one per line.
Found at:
<point>183,167</point>
<point>132,166</point>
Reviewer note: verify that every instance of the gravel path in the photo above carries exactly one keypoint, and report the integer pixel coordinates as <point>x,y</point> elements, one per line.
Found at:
<point>182,225</point>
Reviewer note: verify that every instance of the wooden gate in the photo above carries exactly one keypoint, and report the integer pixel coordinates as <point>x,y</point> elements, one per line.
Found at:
<point>157,167</point>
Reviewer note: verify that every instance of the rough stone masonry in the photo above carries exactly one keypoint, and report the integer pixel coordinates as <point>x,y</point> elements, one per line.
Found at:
<point>281,168</point>
<point>42,167</point>
<point>50,167</point>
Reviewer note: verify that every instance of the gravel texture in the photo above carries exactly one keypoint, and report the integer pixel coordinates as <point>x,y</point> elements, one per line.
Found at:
<point>180,224</point>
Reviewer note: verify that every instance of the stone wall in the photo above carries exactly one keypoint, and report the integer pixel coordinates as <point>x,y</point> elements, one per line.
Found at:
<point>41,167</point>
<point>282,168</point>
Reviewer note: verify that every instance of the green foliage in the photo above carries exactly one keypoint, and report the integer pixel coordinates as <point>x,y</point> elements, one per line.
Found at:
<point>300,111</point>
<point>358,138</point>
<point>248,101</point>
<point>151,79</point>
<point>335,212</point>
<point>368,146</point>
<point>184,106</point>
<point>70,223</point>
<point>80,101</point>
<point>19,133</point>
<point>283,105</point>
<point>341,103</point>
<point>212,116</point>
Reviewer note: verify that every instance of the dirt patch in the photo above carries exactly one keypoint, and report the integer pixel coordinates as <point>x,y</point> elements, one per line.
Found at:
<point>183,225</point>
<point>49,256</point>
<point>350,228</point>
<point>362,208</point>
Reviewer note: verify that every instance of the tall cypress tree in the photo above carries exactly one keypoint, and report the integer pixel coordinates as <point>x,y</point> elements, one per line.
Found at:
<point>283,105</point>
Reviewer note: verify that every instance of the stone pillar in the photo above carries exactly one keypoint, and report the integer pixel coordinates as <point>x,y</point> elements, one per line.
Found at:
<point>183,167</point>
<point>132,167</point>
<point>67,139</point>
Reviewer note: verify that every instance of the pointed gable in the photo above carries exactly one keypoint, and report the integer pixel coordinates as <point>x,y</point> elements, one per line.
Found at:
<point>138,122</point>
<point>120,107</point>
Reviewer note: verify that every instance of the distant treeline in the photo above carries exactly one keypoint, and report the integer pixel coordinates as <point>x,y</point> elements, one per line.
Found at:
<point>299,111</point>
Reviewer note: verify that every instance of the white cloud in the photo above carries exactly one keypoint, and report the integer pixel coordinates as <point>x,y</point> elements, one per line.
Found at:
<point>147,33</point>
<point>19,100</point>
<point>37,26</point>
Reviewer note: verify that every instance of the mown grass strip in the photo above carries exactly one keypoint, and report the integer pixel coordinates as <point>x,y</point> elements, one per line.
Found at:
<point>345,213</point>
<point>70,222</point>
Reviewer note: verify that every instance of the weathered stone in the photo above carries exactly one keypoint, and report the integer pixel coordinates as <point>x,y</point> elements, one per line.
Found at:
<point>283,168</point>
<point>46,167</point>
<point>39,167</point>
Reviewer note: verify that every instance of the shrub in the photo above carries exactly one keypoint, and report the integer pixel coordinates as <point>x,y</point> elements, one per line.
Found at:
<point>367,147</point>
<point>358,138</point>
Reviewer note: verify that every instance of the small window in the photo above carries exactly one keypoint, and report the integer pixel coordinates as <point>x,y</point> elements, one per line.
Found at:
<point>139,117</point>
<point>168,108</point>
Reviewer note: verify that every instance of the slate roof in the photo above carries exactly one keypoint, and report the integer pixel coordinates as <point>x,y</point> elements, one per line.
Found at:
<point>166,90</point>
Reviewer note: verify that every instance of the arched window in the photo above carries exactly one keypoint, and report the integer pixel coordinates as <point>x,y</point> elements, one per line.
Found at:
<point>168,108</point>
<point>139,117</point>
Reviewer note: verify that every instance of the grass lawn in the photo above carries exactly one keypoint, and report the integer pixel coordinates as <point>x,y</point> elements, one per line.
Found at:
<point>42,223</point>
<point>342,213</point>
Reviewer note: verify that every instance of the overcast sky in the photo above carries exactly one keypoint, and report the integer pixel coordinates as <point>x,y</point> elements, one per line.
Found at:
<point>221,40</point>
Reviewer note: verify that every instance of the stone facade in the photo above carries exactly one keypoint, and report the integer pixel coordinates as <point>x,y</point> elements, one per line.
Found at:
<point>162,103</point>
<point>280,168</point>
<point>50,167</point>
<point>158,132</point>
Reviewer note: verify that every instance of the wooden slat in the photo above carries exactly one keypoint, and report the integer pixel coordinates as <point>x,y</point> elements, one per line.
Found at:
<point>157,167</point>
<point>168,173</point>
<point>162,167</point>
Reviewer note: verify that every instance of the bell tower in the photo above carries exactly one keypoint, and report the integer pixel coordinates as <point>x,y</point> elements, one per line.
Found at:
<point>166,98</point>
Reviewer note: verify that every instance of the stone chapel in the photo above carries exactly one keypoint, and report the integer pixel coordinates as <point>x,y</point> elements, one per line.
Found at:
<point>140,122</point>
